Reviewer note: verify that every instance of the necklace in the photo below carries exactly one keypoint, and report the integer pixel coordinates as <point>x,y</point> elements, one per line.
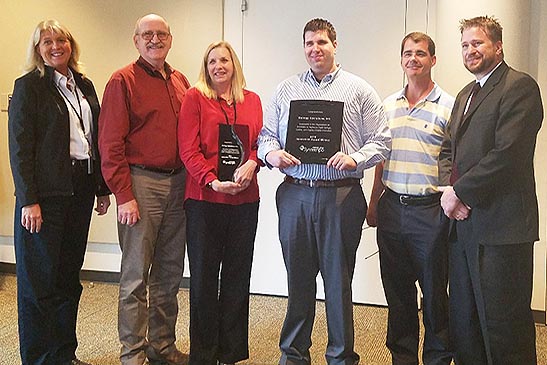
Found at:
<point>228,97</point>
<point>226,115</point>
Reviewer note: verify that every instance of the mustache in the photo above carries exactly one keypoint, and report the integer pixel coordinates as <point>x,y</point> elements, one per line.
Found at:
<point>155,45</point>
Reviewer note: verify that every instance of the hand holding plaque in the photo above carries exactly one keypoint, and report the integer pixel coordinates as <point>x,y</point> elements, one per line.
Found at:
<point>314,130</point>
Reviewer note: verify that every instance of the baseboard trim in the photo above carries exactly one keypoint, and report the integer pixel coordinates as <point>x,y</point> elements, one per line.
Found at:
<point>539,317</point>
<point>92,275</point>
<point>7,268</point>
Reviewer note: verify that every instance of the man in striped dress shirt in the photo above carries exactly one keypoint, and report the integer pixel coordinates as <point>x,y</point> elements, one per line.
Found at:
<point>412,231</point>
<point>321,207</point>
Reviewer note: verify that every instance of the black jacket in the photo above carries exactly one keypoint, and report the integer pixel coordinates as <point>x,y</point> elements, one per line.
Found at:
<point>39,137</point>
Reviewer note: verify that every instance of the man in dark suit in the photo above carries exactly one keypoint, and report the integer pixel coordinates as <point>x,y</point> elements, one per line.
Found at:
<point>493,203</point>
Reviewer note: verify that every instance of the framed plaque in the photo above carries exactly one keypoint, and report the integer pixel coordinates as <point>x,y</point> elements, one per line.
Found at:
<point>314,131</point>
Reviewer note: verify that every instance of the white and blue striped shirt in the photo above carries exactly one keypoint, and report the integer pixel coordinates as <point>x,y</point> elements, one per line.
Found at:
<point>365,134</point>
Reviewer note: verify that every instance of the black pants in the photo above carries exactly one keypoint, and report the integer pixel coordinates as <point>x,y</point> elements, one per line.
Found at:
<point>48,267</point>
<point>413,244</point>
<point>490,293</point>
<point>220,238</point>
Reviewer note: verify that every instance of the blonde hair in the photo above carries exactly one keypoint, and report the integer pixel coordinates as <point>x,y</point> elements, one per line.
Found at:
<point>204,83</point>
<point>35,61</point>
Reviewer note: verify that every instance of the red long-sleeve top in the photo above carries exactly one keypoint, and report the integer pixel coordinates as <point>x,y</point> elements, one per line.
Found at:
<point>198,131</point>
<point>138,123</point>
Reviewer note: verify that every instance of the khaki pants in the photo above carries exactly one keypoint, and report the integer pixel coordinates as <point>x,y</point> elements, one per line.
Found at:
<point>151,268</point>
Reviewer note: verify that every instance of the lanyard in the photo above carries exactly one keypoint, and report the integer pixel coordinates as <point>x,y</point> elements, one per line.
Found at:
<point>80,114</point>
<point>235,137</point>
<point>230,148</point>
<point>226,115</point>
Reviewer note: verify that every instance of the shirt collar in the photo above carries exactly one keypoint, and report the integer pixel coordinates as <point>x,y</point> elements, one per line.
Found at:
<point>432,97</point>
<point>63,80</point>
<point>309,76</point>
<point>152,71</point>
<point>483,80</point>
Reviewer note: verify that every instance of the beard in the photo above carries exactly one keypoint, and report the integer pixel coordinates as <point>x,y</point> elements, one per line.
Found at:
<point>483,66</point>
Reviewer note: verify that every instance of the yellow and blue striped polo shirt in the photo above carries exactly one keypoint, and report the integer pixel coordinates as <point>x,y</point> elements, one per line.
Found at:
<point>417,135</point>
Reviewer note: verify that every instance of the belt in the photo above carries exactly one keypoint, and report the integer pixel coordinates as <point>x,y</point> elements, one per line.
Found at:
<point>79,163</point>
<point>405,199</point>
<point>159,170</point>
<point>323,183</point>
<point>86,165</point>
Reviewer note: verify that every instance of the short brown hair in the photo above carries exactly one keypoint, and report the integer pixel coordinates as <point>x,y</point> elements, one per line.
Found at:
<point>419,37</point>
<point>317,24</point>
<point>488,24</point>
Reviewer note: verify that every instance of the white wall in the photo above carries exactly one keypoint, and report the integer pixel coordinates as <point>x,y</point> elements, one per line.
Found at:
<point>538,46</point>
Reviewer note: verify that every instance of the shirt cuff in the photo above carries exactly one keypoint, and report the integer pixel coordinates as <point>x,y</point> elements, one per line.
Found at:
<point>124,197</point>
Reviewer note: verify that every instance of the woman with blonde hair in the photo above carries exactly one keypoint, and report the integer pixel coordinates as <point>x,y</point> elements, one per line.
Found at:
<point>55,164</point>
<point>219,125</point>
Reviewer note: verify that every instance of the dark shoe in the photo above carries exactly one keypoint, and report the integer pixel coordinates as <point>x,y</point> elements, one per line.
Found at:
<point>77,362</point>
<point>157,362</point>
<point>223,363</point>
<point>174,358</point>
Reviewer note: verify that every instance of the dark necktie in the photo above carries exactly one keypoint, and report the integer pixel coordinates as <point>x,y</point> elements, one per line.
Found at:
<point>472,99</point>
<point>454,175</point>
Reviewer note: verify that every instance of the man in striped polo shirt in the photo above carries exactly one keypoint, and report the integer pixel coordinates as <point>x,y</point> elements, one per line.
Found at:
<point>412,231</point>
<point>321,207</point>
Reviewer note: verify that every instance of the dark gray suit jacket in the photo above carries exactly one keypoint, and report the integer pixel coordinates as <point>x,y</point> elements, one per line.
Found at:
<point>493,149</point>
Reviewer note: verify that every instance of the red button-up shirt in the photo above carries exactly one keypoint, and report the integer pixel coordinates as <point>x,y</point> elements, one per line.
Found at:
<point>138,123</point>
<point>198,132</point>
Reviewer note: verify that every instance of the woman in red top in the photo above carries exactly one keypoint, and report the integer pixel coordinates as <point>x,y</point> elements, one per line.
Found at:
<point>218,129</point>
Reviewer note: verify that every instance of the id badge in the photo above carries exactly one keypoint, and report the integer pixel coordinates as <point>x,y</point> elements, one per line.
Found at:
<point>89,166</point>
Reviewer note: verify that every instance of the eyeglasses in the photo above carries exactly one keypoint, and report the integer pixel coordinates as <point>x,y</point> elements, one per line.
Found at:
<point>147,36</point>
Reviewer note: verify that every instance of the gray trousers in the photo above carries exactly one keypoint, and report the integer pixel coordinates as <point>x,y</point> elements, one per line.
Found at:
<point>151,269</point>
<point>319,230</point>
